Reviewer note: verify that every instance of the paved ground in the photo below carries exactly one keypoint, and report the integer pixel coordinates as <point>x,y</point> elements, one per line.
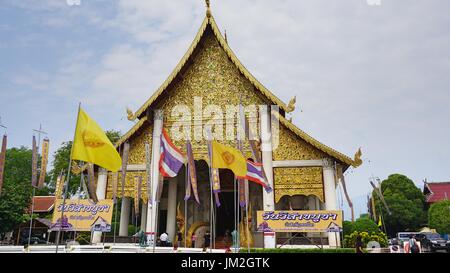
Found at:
<point>106,248</point>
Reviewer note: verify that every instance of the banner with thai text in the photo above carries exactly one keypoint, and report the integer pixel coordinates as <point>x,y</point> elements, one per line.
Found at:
<point>44,162</point>
<point>148,173</point>
<point>137,193</point>
<point>299,221</point>
<point>83,215</point>
<point>59,186</point>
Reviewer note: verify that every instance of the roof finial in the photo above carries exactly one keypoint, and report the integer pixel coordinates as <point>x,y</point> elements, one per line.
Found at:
<point>226,38</point>
<point>208,9</point>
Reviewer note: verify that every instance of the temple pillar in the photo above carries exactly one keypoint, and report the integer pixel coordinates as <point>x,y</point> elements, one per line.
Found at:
<point>143,216</point>
<point>101,194</point>
<point>266,150</point>
<point>330,197</point>
<point>155,176</point>
<point>124,216</point>
<point>171,222</point>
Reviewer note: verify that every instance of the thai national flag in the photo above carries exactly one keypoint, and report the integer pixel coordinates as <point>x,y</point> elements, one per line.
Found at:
<point>172,159</point>
<point>255,174</point>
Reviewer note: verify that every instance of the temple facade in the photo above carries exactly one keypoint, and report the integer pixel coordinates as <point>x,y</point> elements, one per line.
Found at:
<point>302,171</point>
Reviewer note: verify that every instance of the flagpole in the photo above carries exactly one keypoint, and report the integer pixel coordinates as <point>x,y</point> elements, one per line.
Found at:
<point>150,198</point>
<point>68,179</point>
<point>159,179</point>
<point>211,190</point>
<point>185,201</point>
<point>152,214</point>
<point>154,206</point>
<point>238,213</point>
<point>157,197</point>
<point>116,179</point>
<point>31,218</point>
<point>239,146</point>
<point>78,203</point>
<point>211,205</point>
<point>235,215</point>
<point>34,189</point>
<point>246,186</point>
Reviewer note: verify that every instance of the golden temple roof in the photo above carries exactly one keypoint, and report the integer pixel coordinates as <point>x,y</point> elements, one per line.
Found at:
<point>317,144</point>
<point>208,21</point>
<point>130,132</point>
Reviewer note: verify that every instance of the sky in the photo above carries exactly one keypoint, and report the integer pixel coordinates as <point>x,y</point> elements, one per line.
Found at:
<point>373,74</point>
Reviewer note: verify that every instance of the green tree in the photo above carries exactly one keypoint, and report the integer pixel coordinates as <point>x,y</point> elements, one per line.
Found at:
<point>405,201</point>
<point>17,189</point>
<point>61,164</point>
<point>113,136</point>
<point>347,227</point>
<point>365,224</point>
<point>439,217</point>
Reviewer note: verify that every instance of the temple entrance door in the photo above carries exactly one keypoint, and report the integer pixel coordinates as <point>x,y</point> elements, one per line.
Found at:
<point>225,214</point>
<point>162,216</point>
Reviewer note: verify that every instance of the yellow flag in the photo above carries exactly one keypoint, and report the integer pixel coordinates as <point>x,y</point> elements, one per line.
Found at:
<point>92,145</point>
<point>224,157</point>
<point>379,222</point>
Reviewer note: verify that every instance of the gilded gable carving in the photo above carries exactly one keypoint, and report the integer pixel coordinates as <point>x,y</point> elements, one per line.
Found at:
<point>129,185</point>
<point>298,181</point>
<point>137,145</point>
<point>291,147</point>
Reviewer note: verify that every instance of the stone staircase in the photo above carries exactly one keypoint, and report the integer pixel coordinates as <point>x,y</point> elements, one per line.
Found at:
<point>221,243</point>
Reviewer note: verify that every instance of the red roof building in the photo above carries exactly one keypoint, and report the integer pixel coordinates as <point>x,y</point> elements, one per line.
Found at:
<point>43,204</point>
<point>436,191</point>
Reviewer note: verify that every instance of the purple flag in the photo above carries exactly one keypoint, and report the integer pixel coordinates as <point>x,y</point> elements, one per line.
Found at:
<point>191,173</point>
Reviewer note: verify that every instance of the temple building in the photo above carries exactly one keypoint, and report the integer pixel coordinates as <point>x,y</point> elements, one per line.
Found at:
<point>436,191</point>
<point>302,171</point>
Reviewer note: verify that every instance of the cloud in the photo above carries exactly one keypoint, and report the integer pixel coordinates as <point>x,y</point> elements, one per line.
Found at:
<point>156,21</point>
<point>370,76</point>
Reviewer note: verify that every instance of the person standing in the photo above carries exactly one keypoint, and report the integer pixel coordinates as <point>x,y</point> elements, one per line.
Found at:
<point>163,238</point>
<point>193,238</point>
<point>179,237</point>
<point>227,238</point>
<point>207,240</point>
<point>359,244</point>
<point>413,246</point>
<point>175,248</point>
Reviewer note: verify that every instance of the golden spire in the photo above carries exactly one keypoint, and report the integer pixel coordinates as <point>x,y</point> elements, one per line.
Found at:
<point>130,114</point>
<point>357,158</point>
<point>291,105</point>
<point>208,9</point>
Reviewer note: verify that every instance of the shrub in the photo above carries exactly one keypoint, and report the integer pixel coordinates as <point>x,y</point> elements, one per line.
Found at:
<point>298,250</point>
<point>380,237</point>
